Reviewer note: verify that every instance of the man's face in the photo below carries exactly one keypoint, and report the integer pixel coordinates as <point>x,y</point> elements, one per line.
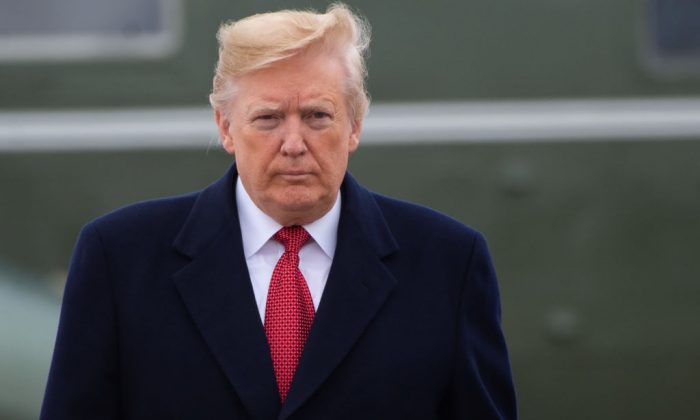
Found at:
<point>290,130</point>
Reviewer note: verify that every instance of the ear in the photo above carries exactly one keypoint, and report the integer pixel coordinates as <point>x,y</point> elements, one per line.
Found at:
<point>354,140</point>
<point>224,125</point>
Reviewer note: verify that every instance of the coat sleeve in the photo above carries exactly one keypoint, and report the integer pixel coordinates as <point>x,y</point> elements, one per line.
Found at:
<point>83,380</point>
<point>482,386</point>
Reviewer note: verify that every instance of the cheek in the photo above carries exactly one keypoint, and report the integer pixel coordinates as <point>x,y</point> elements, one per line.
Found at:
<point>330,152</point>
<point>334,163</point>
<point>253,165</point>
<point>257,151</point>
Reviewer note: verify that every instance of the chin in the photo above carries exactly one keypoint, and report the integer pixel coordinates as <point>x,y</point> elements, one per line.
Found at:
<point>303,202</point>
<point>299,204</point>
<point>297,195</point>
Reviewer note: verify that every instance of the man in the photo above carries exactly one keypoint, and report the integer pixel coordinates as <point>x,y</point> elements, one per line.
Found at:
<point>285,289</point>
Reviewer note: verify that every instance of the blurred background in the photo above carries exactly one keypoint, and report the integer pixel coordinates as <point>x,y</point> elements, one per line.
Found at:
<point>568,131</point>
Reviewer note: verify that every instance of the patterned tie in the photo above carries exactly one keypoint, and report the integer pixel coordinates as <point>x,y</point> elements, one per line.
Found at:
<point>289,311</point>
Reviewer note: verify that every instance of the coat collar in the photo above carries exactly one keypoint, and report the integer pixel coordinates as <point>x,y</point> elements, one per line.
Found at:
<point>216,289</point>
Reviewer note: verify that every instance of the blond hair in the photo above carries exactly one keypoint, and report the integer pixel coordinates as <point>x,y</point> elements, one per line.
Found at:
<point>260,40</point>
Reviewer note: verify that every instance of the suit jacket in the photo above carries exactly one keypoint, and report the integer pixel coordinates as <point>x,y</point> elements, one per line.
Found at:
<point>159,320</point>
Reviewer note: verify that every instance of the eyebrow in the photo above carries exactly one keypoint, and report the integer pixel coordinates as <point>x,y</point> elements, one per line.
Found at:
<point>317,107</point>
<point>256,108</point>
<point>270,105</point>
<point>317,103</point>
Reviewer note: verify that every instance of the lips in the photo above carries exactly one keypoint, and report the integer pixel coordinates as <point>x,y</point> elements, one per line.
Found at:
<point>295,173</point>
<point>294,176</point>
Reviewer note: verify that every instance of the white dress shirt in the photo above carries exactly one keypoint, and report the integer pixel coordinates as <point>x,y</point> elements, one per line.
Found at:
<point>262,252</point>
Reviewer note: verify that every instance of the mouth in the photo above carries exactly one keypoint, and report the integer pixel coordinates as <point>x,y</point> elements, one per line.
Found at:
<point>295,176</point>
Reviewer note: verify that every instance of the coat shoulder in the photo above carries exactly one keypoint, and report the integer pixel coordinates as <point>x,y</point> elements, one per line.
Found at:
<point>419,220</point>
<point>159,217</point>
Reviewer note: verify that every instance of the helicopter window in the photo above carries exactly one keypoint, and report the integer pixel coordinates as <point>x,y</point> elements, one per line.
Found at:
<point>673,41</point>
<point>88,29</point>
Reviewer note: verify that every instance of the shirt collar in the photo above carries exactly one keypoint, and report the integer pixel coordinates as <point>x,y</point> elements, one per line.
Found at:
<point>257,227</point>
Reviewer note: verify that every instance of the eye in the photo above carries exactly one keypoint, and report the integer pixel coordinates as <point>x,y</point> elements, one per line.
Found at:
<point>319,119</point>
<point>320,115</point>
<point>266,121</point>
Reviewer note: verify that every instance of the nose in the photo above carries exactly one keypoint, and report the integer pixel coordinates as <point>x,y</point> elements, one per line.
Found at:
<point>293,142</point>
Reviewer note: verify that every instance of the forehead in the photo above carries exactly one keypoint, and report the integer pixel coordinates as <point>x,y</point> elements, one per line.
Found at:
<point>307,76</point>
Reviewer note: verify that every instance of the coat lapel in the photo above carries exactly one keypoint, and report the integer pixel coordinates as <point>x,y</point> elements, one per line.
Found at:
<point>358,285</point>
<point>215,287</point>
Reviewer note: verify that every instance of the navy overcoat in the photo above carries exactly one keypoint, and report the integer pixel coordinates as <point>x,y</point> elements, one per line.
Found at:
<point>159,320</point>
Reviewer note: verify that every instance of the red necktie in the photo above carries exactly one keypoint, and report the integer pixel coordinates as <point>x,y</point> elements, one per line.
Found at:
<point>289,310</point>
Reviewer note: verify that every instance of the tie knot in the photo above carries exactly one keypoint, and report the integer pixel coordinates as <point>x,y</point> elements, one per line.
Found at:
<point>292,237</point>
